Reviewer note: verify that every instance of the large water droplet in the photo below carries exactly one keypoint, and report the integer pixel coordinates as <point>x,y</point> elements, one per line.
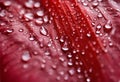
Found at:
<point>26,56</point>
<point>7,3</point>
<point>29,4</point>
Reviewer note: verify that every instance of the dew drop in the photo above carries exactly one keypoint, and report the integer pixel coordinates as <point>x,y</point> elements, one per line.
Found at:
<point>71,72</point>
<point>66,77</point>
<point>88,79</point>
<point>29,16</point>
<point>47,53</point>
<point>2,13</point>
<point>9,30</point>
<point>26,56</point>
<point>37,5</point>
<point>65,47</point>
<point>69,55</point>
<point>43,31</point>
<point>83,53</point>
<point>40,13</point>
<point>29,4</point>
<point>42,66</point>
<point>88,35</point>
<point>20,30</point>
<point>70,63</point>
<point>95,4</point>
<point>45,19</point>
<point>31,38</point>
<point>108,27</point>
<point>100,15</point>
<point>7,3</point>
<point>78,70</point>
<point>39,21</point>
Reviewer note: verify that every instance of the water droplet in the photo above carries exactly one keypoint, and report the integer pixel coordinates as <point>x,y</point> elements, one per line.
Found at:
<point>26,56</point>
<point>29,16</point>
<point>42,66</point>
<point>9,30</point>
<point>37,5</point>
<point>58,78</point>
<point>78,70</point>
<point>95,4</point>
<point>69,55</point>
<point>39,21</point>
<point>47,53</point>
<point>20,30</point>
<point>70,63</point>
<point>25,66</point>
<point>43,31</point>
<point>88,35</point>
<point>7,3</point>
<point>31,38</point>
<point>66,77</point>
<point>83,52</point>
<point>108,27</point>
<point>45,19</point>
<point>62,39</point>
<point>71,71</point>
<point>2,13</point>
<point>61,72</point>
<point>88,79</point>
<point>29,4</point>
<point>40,13</point>
<point>65,47</point>
<point>100,15</point>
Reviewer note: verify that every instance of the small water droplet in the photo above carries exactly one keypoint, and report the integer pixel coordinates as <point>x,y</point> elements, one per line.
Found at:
<point>43,31</point>
<point>88,79</point>
<point>83,52</point>
<point>78,70</point>
<point>71,71</point>
<point>20,30</point>
<point>65,47</point>
<point>66,77</point>
<point>39,21</point>
<point>2,13</point>
<point>47,53</point>
<point>95,4</point>
<point>70,63</point>
<point>100,15</point>
<point>31,38</point>
<point>42,66</point>
<point>69,55</point>
<point>45,19</point>
<point>88,35</point>
<point>26,56</point>
<point>62,39</point>
<point>40,13</point>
